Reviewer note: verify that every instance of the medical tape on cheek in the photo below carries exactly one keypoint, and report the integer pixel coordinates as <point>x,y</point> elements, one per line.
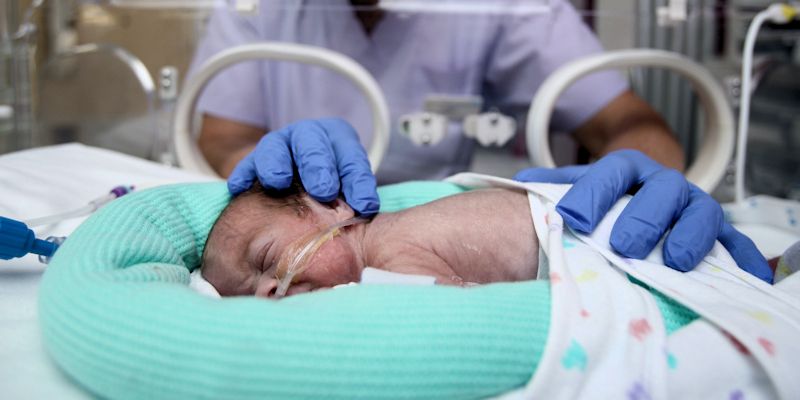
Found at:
<point>296,259</point>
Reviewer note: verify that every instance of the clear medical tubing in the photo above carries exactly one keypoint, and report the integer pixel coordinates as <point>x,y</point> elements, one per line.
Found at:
<point>93,206</point>
<point>776,13</point>
<point>296,259</point>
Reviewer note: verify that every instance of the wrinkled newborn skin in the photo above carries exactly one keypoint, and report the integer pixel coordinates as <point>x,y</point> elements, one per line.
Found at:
<point>480,236</point>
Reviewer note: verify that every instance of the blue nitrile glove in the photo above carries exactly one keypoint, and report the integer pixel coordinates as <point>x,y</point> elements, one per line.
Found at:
<point>326,152</point>
<point>664,200</point>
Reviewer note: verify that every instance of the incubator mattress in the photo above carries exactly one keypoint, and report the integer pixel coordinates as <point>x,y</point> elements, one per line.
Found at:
<point>117,315</point>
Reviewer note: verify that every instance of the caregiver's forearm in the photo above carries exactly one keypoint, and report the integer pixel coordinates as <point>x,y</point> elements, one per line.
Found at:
<point>224,142</point>
<point>628,122</point>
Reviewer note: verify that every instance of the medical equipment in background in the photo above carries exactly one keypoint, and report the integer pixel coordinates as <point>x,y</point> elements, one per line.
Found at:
<point>6,80</point>
<point>299,253</point>
<point>168,84</point>
<point>772,223</point>
<point>168,92</point>
<point>710,32</point>
<point>778,14</point>
<point>140,72</point>
<point>691,28</point>
<point>773,142</point>
<point>429,127</point>
<point>62,45</point>
<point>17,239</point>
<point>717,148</point>
<point>186,150</point>
<point>424,128</point>
<point>490,128</point>
<point>19,48</point>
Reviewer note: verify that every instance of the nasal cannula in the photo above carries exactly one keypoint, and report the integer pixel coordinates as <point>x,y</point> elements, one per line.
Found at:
<point>296,260</point>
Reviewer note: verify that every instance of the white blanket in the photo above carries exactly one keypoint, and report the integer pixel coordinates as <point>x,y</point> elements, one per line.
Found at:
<point>607,339</point>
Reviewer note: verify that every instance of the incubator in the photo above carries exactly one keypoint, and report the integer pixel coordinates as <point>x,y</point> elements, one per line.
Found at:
<point>140,77</point>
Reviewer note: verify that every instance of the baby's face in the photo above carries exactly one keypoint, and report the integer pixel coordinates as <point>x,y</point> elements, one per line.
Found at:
<point>250,237</point>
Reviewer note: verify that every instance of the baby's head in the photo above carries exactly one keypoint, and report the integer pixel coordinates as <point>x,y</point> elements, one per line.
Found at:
<point>259,226</point>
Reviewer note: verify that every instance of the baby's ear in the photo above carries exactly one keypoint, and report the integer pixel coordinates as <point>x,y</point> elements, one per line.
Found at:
<point>337,210</point>
<point>342,210</point>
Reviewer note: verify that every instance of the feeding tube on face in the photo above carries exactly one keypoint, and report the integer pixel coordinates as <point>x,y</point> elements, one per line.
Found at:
<point>296,259</point>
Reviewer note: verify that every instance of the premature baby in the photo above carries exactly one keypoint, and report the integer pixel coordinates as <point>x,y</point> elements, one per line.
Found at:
<point>480,236</point>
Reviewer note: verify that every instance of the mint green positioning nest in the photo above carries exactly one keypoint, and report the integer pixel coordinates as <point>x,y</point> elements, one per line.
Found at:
<point>118,317</point>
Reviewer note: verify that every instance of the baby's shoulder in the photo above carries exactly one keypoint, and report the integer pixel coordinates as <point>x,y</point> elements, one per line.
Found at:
<point>493,199</point>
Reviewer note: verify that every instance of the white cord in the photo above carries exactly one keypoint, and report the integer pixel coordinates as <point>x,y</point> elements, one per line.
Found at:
<point>776,13</point>
<point>93,206</point>
<point>52,219</point>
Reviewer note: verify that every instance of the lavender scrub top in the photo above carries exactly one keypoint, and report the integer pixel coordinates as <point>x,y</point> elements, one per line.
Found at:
<point>502,57</point>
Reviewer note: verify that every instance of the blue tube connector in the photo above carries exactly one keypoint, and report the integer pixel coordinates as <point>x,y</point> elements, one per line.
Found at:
<point>17,240</point>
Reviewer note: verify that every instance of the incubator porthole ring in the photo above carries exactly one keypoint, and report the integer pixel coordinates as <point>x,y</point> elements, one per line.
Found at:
<point>187,151</point>
<point>717,148</point>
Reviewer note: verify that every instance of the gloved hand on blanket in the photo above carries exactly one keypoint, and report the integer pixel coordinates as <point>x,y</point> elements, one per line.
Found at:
<point>664,200</point>
<point>328,156</point>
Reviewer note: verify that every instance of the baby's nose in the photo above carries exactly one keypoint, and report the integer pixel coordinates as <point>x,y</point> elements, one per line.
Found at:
<point>267,287</point>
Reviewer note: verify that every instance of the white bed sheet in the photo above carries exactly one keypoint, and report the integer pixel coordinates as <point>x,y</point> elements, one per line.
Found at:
<point>41,182</point>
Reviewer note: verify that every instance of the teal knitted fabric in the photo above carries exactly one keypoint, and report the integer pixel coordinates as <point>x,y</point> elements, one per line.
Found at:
<point>675,315</point>
<point>116,314</point>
